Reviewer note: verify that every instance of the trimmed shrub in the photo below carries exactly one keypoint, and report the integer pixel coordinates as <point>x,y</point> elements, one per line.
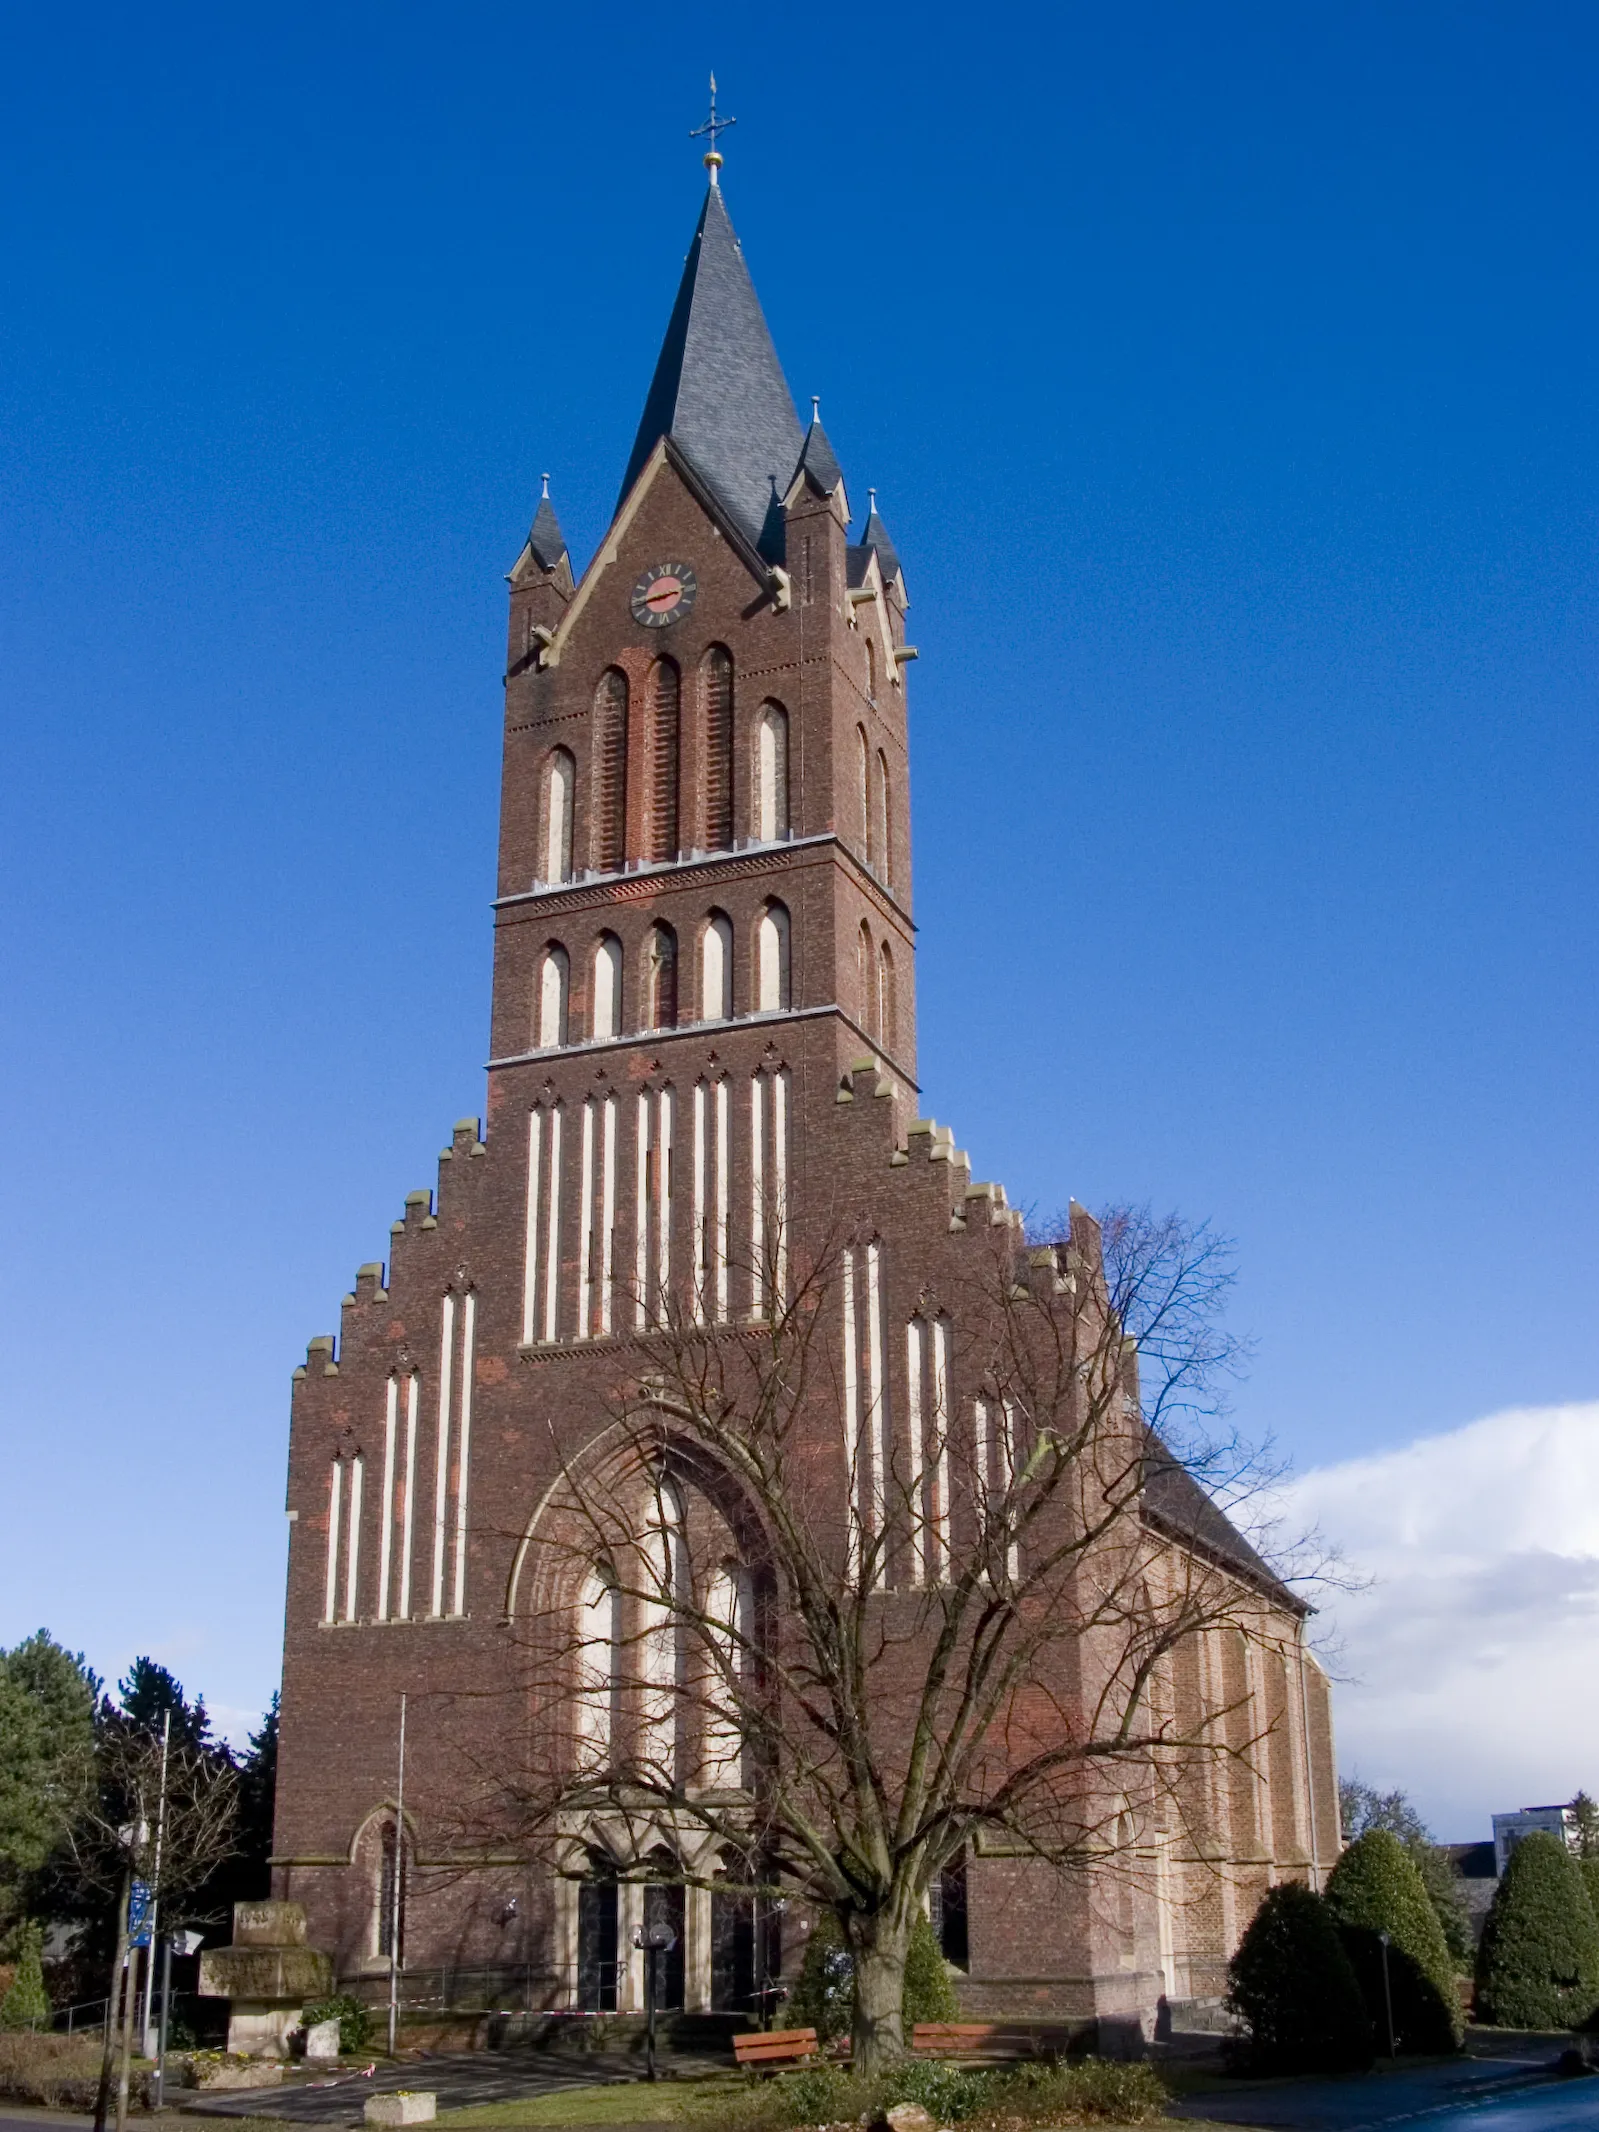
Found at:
<point>27,2003</point>
<point>1589,1869</point>
<point>354,2019</point>
<point>1292,1987</point>
<point>824,1996</point>
<point>929,1994</point>
<point>1376,1888</point>
<point>1538,1965</point>
<point>1089,2091</point>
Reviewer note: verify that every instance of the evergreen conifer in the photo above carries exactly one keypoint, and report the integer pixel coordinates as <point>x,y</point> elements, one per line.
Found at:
<point>929,1994</point>
<point>27,2003</point>
<point>1538,1965</point>
<point>1376,1888</point>
<point>1292,1987</point>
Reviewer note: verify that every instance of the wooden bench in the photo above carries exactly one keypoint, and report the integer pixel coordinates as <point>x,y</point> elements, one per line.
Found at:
<point>968,2039</point>
<point>766,2049</point>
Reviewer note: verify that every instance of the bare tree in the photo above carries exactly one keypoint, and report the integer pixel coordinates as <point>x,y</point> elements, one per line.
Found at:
<point>162,1816</point>
<point>842,1653</point>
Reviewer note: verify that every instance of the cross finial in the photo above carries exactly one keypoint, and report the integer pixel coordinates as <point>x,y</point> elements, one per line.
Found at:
<point>816,407</point>
<point>546,480</point>
<point>711,128</point>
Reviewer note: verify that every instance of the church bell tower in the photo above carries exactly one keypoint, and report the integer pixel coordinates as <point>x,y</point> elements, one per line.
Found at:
<point>704,870</point>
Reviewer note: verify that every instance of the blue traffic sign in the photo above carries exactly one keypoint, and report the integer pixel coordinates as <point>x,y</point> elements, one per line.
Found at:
<point>141,1910</point>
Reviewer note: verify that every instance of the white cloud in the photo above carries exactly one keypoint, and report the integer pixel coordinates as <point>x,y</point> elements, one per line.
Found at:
<point>1470,1662</point>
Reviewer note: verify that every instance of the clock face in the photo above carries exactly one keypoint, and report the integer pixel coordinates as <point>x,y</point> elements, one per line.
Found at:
<point>664,594</point>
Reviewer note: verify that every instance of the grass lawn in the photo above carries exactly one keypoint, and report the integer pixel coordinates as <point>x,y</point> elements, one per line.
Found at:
<point>630,2102</point>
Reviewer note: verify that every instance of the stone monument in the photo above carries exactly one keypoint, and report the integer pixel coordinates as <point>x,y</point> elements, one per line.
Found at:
<point>266,1975</point>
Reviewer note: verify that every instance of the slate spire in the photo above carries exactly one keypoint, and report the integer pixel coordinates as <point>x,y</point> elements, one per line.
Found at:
<point>718,390</point>
<point>876,536</point>
<point>546,540</point>
<point>816,455</point>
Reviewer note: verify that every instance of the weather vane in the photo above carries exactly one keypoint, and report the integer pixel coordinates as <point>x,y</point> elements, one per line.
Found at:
<point>712,127</point>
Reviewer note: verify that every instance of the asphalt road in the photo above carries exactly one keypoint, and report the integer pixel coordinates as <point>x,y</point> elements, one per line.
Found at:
<point>1474,2094</point>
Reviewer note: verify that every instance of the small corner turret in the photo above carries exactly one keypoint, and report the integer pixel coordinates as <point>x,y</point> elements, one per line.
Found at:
<point>541,585</point>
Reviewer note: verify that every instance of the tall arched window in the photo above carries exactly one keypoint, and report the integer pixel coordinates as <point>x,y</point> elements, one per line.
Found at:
<point>606,1001</point>
<point>887,998</point>
<point>716,969</point>
<point>716,695</point>
<point>389,1894</point>
<point>664,1576</point>
<point>727,1612</point>
<point>871,670</point>
<point>771,774</point>
<point>610,772</point>
<point>559,785</point>
<point>771,956</point>
<point>553,985</point>
<point>599,1667</point>
<point>863,764</point>
<point>665,692</point>
<point>661,978</point>
<point>865,975</point>
<point>880,828</point>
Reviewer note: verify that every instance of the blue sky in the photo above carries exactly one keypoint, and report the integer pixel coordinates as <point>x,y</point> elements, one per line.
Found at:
<point>1227,378</point>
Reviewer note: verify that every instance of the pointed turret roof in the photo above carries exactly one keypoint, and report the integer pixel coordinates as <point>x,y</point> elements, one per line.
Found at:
<point>876,536</point>
<point>718,390</point>
<point>546,541</point>
<point>817,460</point>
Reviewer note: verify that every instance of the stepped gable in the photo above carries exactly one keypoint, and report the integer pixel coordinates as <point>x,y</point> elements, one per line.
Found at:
<point>719,392</point>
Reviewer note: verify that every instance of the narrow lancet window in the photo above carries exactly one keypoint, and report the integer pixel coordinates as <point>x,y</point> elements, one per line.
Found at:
<point>661,977</point>
<point>716,969</point>
<point>553,986</point>
<point>772,959</point>
<point>771,781</point>
<point>863,765</point>
<point>606,1015</point>
<point>559,787</point>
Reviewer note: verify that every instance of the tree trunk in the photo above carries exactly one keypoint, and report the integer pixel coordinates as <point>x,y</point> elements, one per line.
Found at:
<point>878,1944</point>
<point>108,2058</point>
<point>125,2068</point>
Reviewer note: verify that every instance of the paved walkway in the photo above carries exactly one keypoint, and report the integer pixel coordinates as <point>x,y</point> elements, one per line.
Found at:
<point>459,2080</point>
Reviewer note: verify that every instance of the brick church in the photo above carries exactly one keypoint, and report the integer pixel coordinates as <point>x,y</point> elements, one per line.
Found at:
<point>702,1062</point>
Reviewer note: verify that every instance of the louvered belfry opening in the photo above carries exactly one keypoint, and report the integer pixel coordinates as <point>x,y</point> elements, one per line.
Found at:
<point>716,681</point>
<point>610,780</point>
<point>665,720</point>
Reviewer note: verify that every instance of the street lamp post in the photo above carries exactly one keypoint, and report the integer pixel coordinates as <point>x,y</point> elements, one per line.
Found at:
<point>1388,1994</point>
<point>180,1943</point>
<point>655,1940</point>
